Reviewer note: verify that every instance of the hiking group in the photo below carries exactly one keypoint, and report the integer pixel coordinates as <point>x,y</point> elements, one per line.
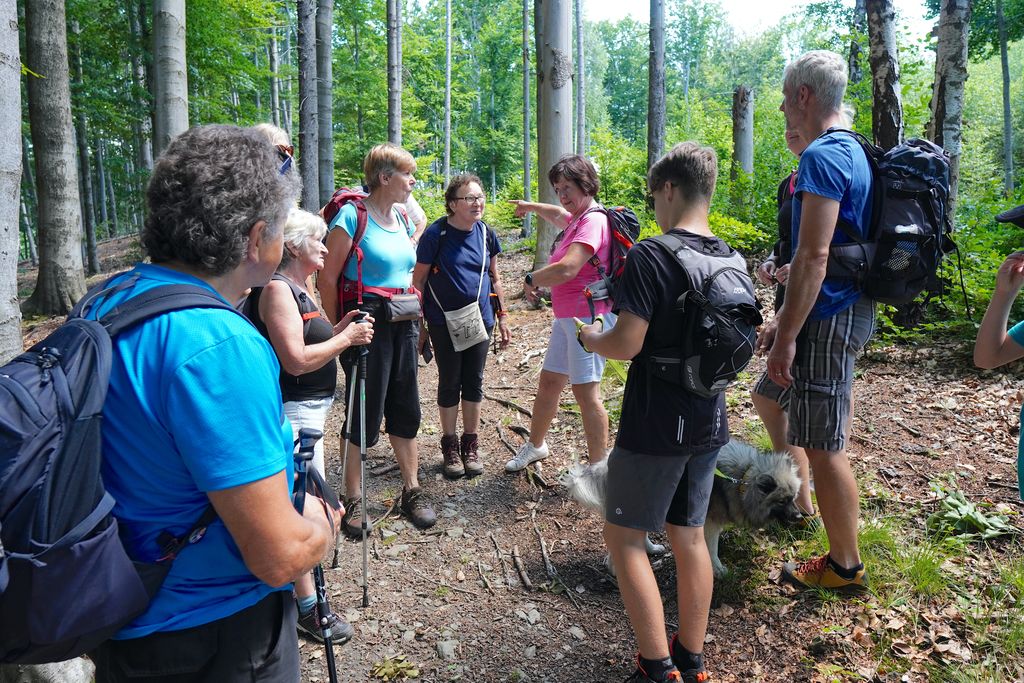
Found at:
<point>194,428</point>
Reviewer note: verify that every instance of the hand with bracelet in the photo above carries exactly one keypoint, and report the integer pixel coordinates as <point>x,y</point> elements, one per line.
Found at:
<point>585,331</point>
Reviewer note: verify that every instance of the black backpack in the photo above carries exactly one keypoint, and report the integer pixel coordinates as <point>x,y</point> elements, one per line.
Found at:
<point>625,231</point>
<point>909,231</point>
<point>720,319</point>
<point>71,584</point>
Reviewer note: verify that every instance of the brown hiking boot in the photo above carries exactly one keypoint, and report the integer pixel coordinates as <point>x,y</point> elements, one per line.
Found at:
<point>416,504</point>
<point>470,458</point>
<point>352,521</point>
<point>453,467</point>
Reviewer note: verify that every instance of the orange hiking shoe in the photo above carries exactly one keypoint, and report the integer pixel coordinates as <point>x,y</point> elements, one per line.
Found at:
<point>821,573</point>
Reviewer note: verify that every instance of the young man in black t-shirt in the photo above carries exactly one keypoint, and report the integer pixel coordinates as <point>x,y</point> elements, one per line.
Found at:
<point>661,470</point>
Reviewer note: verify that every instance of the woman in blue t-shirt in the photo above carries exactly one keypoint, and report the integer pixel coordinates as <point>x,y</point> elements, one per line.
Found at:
<point>378,275</point>
<point>995,345</point>
<point>456,269</point>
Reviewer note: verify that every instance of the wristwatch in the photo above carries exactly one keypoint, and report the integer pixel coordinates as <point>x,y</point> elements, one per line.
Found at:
<point>529,279</point>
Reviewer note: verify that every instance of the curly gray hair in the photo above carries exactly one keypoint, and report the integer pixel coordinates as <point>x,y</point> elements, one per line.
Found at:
<point>209,188</point>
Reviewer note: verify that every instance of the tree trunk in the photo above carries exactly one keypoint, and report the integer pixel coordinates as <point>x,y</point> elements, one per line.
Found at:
<point>356,21</point>
<point>101,183</point>
<point>855,72</point>
<point>86,196</point>
<point>656,84</point>
<point>554,101</point>
<point>446,169</point>
<point>527,181</point>
<point>146,48</point>
<point>887,110</point>
<point>30,238</point>
<point>287,110</point>
<point>142,125</point>
<point>324,97</point>
<point>275,83</point>
<point>742,132</point>
<point>309,128</point>
<point>394,19</point>
<point>171,71</point>
<point>1007,118</point>
<point>10,180</point>
<point>61,281</point>
<point>581,93</point>
<point>947,105</point>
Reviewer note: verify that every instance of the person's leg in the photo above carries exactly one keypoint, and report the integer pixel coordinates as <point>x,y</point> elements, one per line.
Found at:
<point>839,503</point>
<point>545,405</point>
<point>595,419</point>
<point>639,589</point>
<point>776,423</point>
<point>471,416</point>
<point>448,386</point>
<point>694,584</point>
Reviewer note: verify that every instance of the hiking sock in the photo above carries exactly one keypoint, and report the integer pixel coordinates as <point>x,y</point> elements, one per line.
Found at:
<point>684,659</point>
<point>306,604</point>
<point>657,669</point>
<point>848,574</point>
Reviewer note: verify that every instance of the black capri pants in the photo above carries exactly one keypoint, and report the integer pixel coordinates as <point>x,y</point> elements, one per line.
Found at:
<point>392,395</point>
<point>460,374</point>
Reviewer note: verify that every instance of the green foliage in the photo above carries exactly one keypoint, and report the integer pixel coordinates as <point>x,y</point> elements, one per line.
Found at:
<point>743,237</point>
<point>958,516</point>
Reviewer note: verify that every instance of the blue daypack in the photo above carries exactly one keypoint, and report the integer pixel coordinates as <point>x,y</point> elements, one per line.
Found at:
<point>66,582</point>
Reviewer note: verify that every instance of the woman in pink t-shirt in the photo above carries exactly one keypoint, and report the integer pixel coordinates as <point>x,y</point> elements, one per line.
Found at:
<point>585,233</point>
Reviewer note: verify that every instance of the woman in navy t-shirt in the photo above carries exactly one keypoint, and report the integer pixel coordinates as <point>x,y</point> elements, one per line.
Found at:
<point>457,272</point>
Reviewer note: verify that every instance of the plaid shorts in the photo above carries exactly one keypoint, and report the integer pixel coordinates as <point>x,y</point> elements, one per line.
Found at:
<point>818,401</point>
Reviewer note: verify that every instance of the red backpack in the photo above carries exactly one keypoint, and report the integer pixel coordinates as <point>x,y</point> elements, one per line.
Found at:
<point>625,231</point>
<point>353,291</point>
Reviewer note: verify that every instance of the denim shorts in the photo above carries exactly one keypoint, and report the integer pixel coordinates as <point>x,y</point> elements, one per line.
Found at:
<point>565,356</point>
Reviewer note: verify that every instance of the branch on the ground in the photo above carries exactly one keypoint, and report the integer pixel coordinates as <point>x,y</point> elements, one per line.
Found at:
<point>501,558</point>
<point>509,404</point>
<point>487,584</point>
<point>518,562</point>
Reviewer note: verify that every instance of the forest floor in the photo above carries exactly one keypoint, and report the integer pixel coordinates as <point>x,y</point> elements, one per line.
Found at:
<point>448,604</point>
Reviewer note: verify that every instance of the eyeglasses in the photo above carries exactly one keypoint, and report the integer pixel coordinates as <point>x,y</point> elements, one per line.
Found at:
<point>472,199</point>
<point>286,153</point>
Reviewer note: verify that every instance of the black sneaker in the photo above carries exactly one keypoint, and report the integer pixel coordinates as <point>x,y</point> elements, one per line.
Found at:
<point>309,625</point>
<point>698,675</point>
<point>640,676</point>
<point>416,504</point>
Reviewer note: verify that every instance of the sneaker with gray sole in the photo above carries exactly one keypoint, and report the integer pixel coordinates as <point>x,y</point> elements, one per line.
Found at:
<point>526,454</point>
<point>309,625</point>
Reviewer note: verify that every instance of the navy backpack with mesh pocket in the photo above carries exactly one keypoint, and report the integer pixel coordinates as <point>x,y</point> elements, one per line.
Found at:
<point>66,581</point>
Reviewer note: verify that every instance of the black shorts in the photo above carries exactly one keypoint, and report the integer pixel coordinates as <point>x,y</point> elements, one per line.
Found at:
<point>460,374</point>
<point>392,395</point>
<point>259,643</point>
<point>647,491</point>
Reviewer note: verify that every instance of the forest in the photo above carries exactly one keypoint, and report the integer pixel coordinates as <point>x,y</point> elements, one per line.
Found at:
<point>456,83</point>
<point>91,91</point>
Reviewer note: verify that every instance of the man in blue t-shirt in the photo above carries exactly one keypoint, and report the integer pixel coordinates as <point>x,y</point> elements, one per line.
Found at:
<point>824,322</point>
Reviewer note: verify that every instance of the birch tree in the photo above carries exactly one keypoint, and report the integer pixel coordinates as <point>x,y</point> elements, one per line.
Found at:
<point>171,72</point>
<point>947,105</point>
<point>527,183</point>
<point>554,103</point>
<point>324,98</point>
<point>394,31</point>
<point>656,84</point>
<point>309,166</point>
<point>61,281</point>
<point>742,132</point>
<point>10,180</point>
<point>887,109</point>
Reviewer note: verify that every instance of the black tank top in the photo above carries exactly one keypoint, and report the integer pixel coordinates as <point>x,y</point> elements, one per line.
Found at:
<point>319,383</point>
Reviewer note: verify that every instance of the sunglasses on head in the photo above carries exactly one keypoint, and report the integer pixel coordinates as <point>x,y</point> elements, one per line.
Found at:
<point>286,152</point>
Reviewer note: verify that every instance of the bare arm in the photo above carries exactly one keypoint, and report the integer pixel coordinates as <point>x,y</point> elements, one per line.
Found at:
<point>499,292</point>
<point>277,543</point>
<point>994,347</point>
<point>339,244</point>
<point>564,269</point>
<point>284,324</point>
<point>555,215</point>
<point>622,342</point>
<point>419,276</point>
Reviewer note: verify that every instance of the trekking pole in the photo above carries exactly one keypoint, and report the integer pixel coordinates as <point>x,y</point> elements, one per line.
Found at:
<point>308,437</point>
<point>346,437</point>
<point>361,377</point>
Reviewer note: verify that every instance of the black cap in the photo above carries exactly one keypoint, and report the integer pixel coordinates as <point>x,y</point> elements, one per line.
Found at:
<point>1015,216</point>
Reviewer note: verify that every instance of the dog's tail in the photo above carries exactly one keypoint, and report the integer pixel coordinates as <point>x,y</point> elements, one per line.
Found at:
<point>586,484</point>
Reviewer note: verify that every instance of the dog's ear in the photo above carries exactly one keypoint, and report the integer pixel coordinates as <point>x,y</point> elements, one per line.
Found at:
<point>766,484</point>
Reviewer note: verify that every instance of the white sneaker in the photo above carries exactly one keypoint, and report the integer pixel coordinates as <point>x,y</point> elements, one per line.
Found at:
<point>526,454</point>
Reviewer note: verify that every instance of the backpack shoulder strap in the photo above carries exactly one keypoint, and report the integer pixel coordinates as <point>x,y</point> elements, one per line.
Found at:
<point>161,300</point>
